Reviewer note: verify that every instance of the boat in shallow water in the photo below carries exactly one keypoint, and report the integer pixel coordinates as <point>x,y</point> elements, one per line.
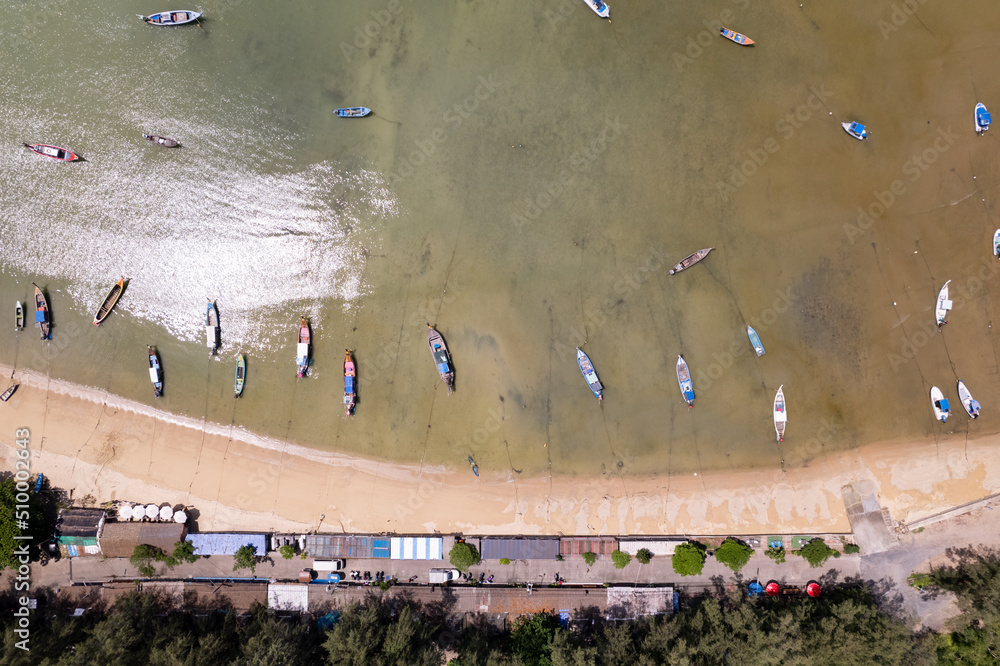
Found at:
<point>943,305</point>
<point>164,141</point>
<point>475,467</point>
<point>42,314</point>
<point>996,243</point>
<point>353,112</point>
<point>179,17</point>
<point>350,397</point>
<point>600,7</point>
<point>942,410</point>
<point>755,341</point>
<point>684,381</point>
<point>690,260</point>
<point>780,414</point>
<point>109,302</point>
<point>55,152</point>
<point>18,316</point>
<point>587,368</point>
<point>442,359</point>
<point>241,375</point>
<point>983,119</point>
<point>155,372</point>
<point>302,350</point>
<point>211,327</point>
<point>971,405</point>
<point>734,36</point>
<point>857,130</point>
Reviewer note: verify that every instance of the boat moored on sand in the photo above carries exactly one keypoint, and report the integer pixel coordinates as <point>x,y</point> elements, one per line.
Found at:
<point>732,35</point>
<point>942,410</point>
<point>350,397</point>
<point>600,7</point>
<point>155,372</point>
<point>179,17</point>
<point>353,112</point>
<point>211,327</point>
<point>442,359</point>
<point>690,260</point>
<point>780,413</point>
<point>983,119</point>
<point>971,405</point>
<point>684,381</point>
<point>109,302</point>
<point>587,368</point>
<point>241,375</point>
<point>857,130</point>
<point>302,350</point>
<point>755,341</point>
<point>42,314</point>
<point>5,396</point>
<point>55,152</point>
<point>996,243</point>
<point>18,316</point>
<point>943,305</point>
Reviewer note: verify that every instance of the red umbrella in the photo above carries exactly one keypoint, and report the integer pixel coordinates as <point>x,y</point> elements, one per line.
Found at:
<point>772,589</point>
<point>812,589</point>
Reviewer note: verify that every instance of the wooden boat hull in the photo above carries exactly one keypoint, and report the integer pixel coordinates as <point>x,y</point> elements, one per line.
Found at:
<point>943,305</point>
<point>179,17</point>
<point>734,36</point>
<point>353,112</point>
<point>600,7</point>
<point>211,327</point>
<point>109,302</point>
<point>755,341</point>
<point>53,152</point>
<point>589,374</point>
<point>684,381</point>
<point>972,406</point>
<point>780,413</point>
<point>155,372</point>
<point>5,396</point>
<point>996,243</point>
<point>302,350</point>
<point>241,375</point>
<point>982,118</point>
<point>690,260</point>
<point>942,410</point>
<point>164,141</point>
<point>857,130</point>
<point>350,375</point>
<point>42,314</point>
<point>18,316</point>
<point>441,356</point>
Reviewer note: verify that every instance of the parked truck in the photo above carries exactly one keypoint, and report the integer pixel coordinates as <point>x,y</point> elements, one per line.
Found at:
<point>443,575</point>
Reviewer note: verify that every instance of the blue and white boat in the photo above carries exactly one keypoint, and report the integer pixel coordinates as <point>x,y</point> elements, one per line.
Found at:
<point>155,372</point>
<point>587,368</point>
<point>857,130</point>
<point>172,18</point>
<point>780,413</point>
<point>600,7</point>
<point>996,243</point>
<point>442,359</point>
<point>353,112</point>
<point>755,341</point>
<point>942,410</point>
<point>971,405</point>
<point>211,327</point>
<point>684,380</point>
<point>983,119</point>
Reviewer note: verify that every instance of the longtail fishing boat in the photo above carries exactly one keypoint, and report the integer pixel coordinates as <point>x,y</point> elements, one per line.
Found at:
<point>780,414</point>
<point>734,36</point>
<point>755,341</point>
<point>587,369</point>
<point>109,302</point>
<point>42,314</point>
<point>350,397</point>
<point>302,350</point>
<point>164,141</point>
<point>684,381</point>
<point>690,260</point>
<point>55,152</point>
<point>353,112</point>
<point>241,375</point>
<point>442,359</point>
<point>18,316</point>
<point>171,18</point>
<point>155,372</point>
<point>211,327</point>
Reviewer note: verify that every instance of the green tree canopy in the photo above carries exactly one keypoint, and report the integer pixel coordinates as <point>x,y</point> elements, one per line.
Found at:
<point>644,555</point>
<point>734,554</point>
<point>15,520</point>
<point>816,552</point>
<point>620,559</point>
<point>245,558</point>
<point>463,556</point>
<point>688,559</point>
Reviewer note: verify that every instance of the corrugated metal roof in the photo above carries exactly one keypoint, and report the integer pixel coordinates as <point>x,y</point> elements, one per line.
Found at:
<point>576,546</point>
<point>120,539</point>
<point>326,546</point>
<point>545,548</point>
<point>222,543</point>
<point>656,547</point>
<point>416,548</point>
<point>80,522</point>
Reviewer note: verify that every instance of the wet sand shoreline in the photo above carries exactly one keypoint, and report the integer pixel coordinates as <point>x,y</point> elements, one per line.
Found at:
<point>110,448</point>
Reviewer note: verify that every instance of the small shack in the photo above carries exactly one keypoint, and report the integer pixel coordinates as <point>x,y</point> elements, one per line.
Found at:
<point>120,539</point>
<point>77,531</point>
<point>226,543</point>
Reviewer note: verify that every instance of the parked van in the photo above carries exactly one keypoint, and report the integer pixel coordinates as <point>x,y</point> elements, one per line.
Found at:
<point>328,565</point>
<point>443,575</point>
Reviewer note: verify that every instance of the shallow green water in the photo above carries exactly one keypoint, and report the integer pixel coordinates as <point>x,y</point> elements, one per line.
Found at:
<point>531,174</point>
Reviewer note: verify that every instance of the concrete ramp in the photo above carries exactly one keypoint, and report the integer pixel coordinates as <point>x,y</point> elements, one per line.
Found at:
<point>871,524</point>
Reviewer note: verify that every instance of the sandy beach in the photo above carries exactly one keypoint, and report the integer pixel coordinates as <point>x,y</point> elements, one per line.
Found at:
<point>110,448</point>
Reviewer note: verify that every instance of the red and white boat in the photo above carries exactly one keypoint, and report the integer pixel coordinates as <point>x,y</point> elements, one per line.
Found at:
<point>55,152</point>
<point>350,397</point>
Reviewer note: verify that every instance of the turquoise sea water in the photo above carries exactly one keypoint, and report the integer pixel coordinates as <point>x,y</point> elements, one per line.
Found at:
<point>529,176</point>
